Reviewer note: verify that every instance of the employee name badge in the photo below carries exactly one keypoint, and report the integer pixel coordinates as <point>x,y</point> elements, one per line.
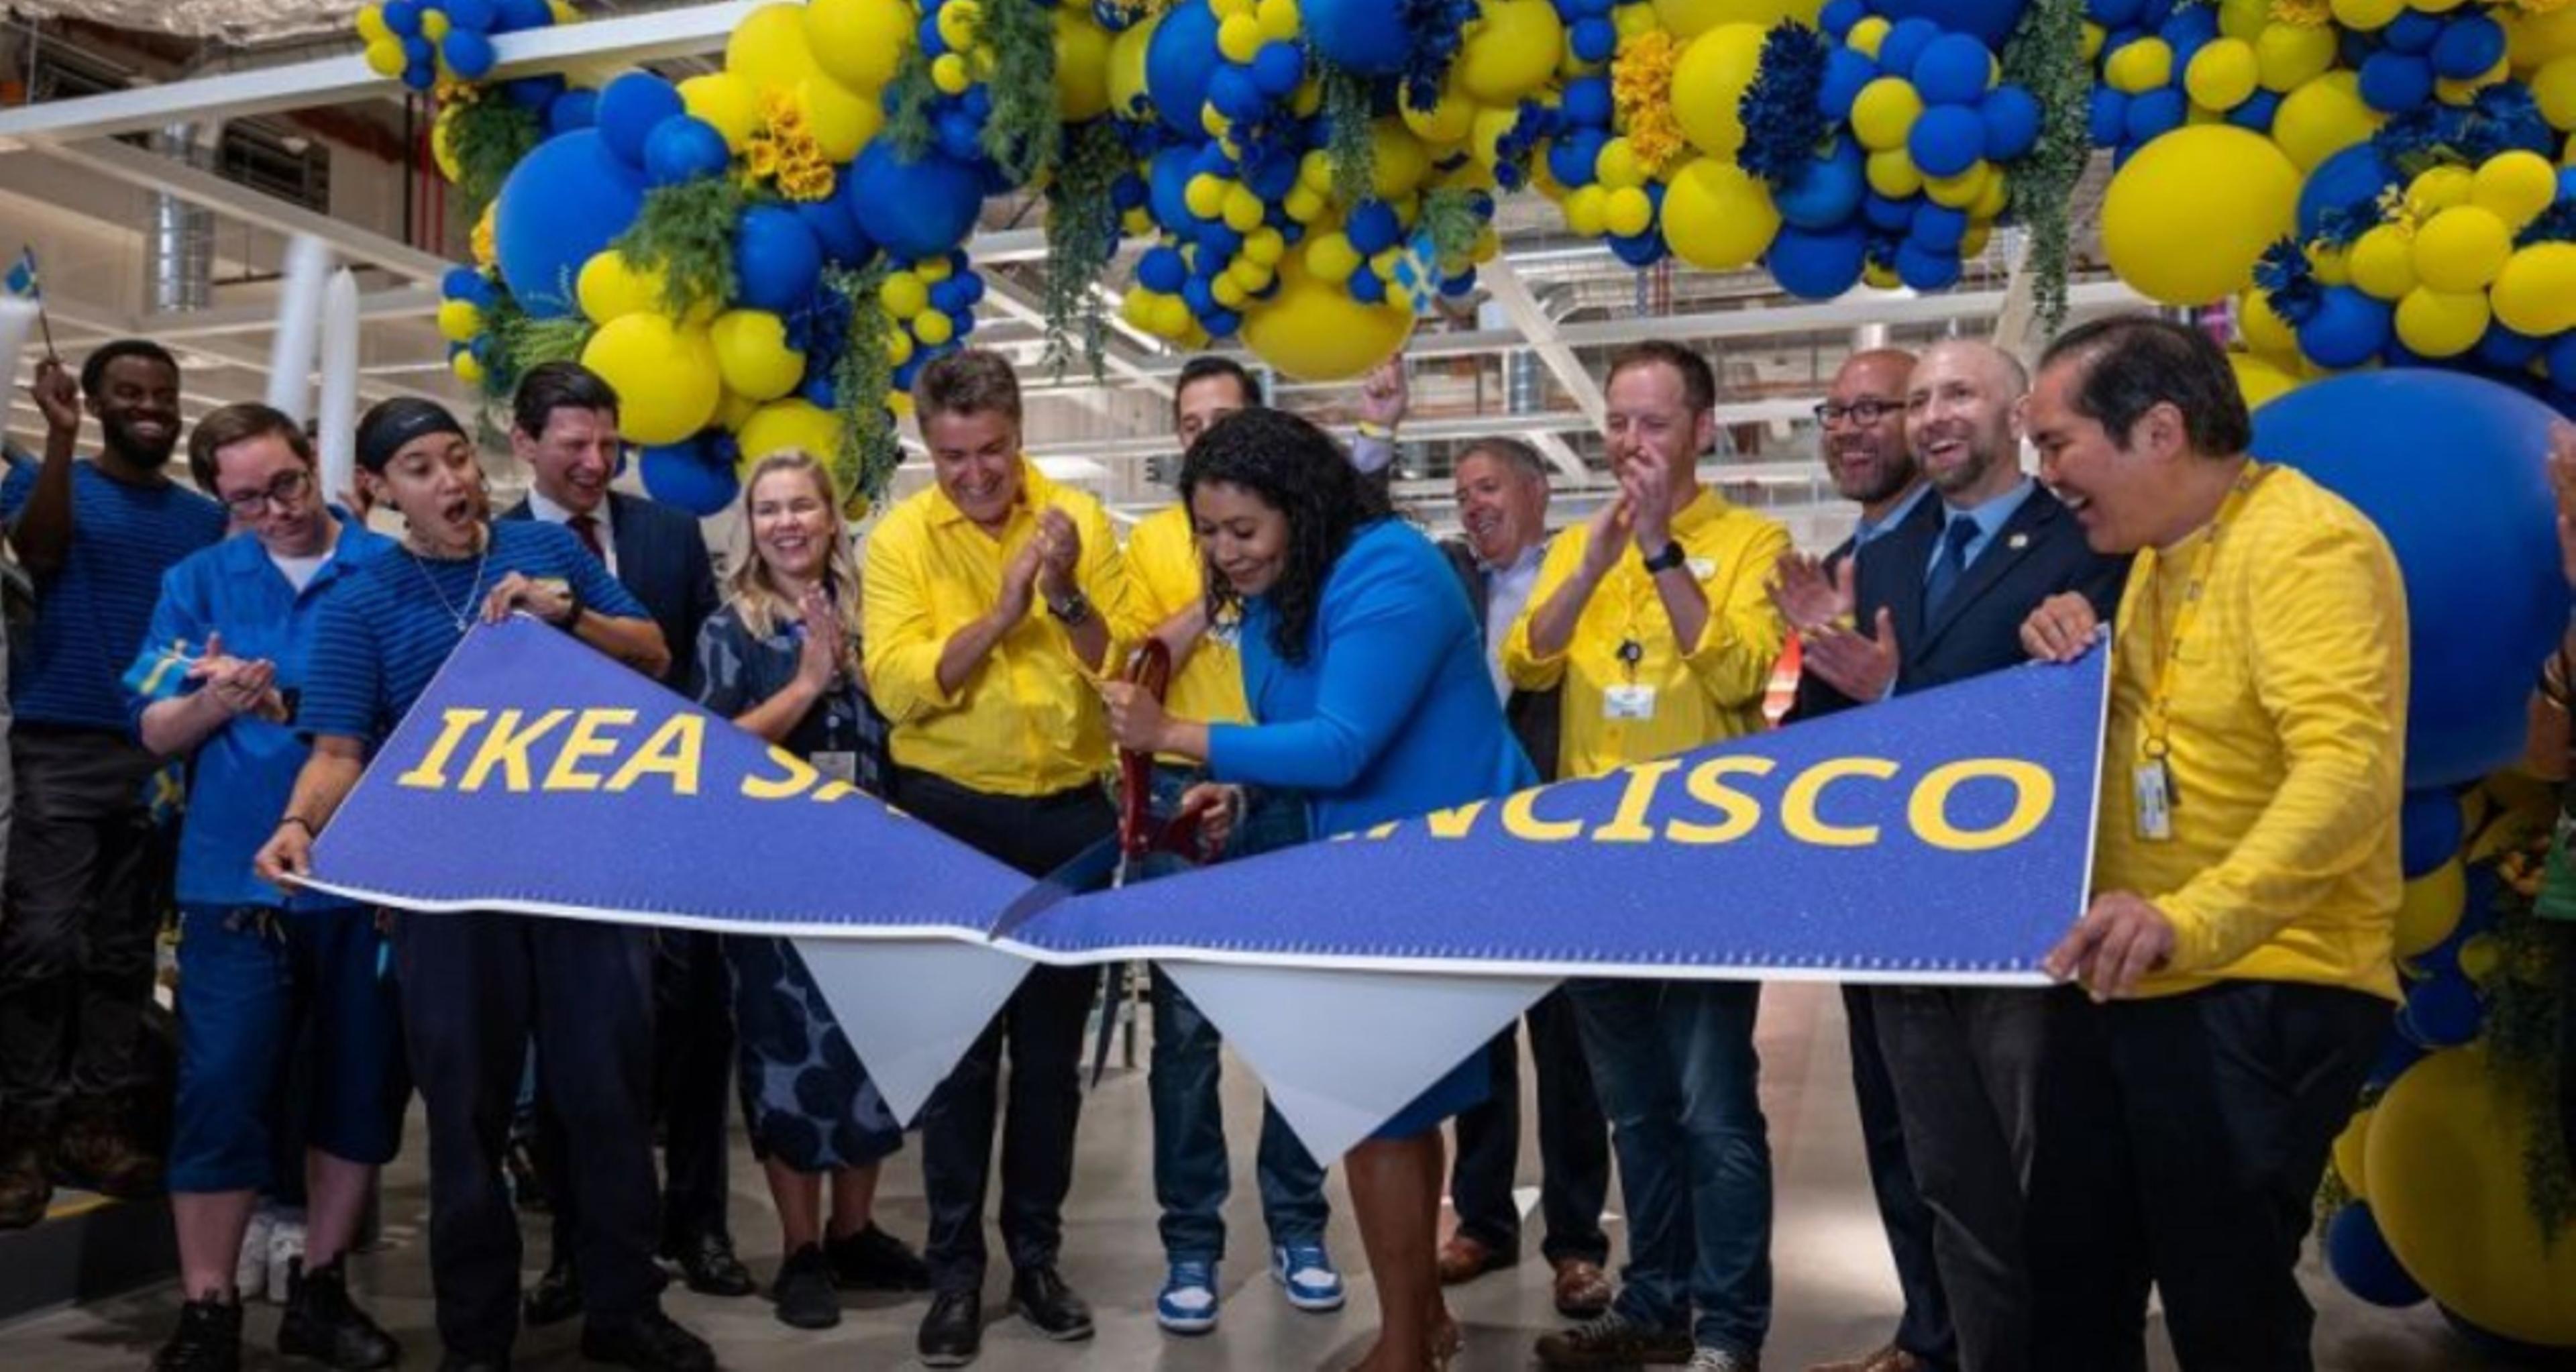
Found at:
<point>840,767</point>
<point>2154,787</point>
<point>1628,702</point>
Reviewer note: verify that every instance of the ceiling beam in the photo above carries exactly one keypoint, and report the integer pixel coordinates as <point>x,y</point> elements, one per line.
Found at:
<point>1117,357</point>
<point>1512,296</point>
<point>116,324</point>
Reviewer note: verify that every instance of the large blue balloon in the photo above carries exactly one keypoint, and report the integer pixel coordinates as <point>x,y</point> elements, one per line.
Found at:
<point>1179,62</point>
<point>1817,266</point>
<point>2486,601</point>
<point>1991,20</point>
<point>2362,1260</point>
<point>1367,36</point>
<point>776,262</point>
<point>912,209</point>
<point>833,226</point>
<point>2429,830</point>
<point>687,475</point>
<point>562,203</point>
<point>630,107</point>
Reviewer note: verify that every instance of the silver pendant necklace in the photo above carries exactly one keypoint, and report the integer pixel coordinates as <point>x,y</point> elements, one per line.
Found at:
<point>462,619</point>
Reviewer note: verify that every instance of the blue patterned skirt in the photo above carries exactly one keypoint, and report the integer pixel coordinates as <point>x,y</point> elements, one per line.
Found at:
<point>805,1097</point>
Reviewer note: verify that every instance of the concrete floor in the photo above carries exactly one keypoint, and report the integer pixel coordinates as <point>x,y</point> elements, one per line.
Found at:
<point>1836,1291</point>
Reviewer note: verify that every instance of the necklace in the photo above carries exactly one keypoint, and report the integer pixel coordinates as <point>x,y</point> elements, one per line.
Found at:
<point>462,619</point>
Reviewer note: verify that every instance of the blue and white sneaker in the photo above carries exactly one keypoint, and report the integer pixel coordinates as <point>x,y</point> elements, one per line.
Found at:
<point>1305,1272</point>
<point>1188,1302</point>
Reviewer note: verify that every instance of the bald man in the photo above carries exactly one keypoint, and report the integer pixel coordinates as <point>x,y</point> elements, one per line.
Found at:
<point>1939,600</point>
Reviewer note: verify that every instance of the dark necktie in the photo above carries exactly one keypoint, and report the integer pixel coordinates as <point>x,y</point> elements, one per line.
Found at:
<point>586,527</point>
<point>1950,564</point>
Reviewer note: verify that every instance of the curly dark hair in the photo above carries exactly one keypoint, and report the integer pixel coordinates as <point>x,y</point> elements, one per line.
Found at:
<point>1298,470</point>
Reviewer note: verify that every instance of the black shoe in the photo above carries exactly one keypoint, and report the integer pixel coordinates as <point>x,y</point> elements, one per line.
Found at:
<point>804,1291</point>
<point>557,1296</point>
<point>26,1169</point>
<point>953,1332</point>
<point>650,1342</point>
<point>1046,1302</point>
<point>1613,1340</point>
<point>208,1339</point>
<point>323,1324</point>
<point>874,1260</point>
<point>709,1267</point>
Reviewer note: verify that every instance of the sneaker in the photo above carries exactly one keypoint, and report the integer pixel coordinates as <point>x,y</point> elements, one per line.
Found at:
<point>1723,1360</point>
<point>208,1339</point>
<point>874,1260</point>
<point>804,1291</point>
<point>323,1324</point>
<point>1188,1301</point>
<point>1305,1272</point>
<point>1614,1340</point>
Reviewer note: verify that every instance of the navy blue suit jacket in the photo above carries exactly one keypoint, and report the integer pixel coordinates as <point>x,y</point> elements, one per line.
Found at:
<point>662,559</point>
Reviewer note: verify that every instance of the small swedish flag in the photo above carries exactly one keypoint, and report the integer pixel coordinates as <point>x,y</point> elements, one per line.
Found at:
<point>22,280</point>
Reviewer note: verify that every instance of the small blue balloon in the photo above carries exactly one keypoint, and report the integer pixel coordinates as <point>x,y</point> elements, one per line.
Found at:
<point>2107,117</point>
<point>2348,329</point>
<point>1938,228</point>
<point>2113,14</point>
<point>836,230</point>
<point>574,109</point>
<point>1923,269</point>
<point>1594,39</point>
<point>2257,111</point>
<point>477,15</point>
<point>2155,113</point>
<point>2012,119</point>
<point>2442,1011</point>
<point>2350,177</point>
<point>1907,41</point>
<point>926,33</point>
<point>683,474</point>
<point>1990,21</point>
<point>1373,227</point>
<point>1587,101</point>
<point>629,109</point>
<point>1817,265</point>
<point>1951,71</point>
<point>2560,362</point>
<point>1277,69</point>
<point>464,283</point>
<point>1827,193</point>
<point>2467,46</point>
<point>1221,323</point>
<point>1886,215</point>
<point>909,369</point>
<point>1947,140</point>
<point>2394,82</point>
<point>511,16</point>
<point>468,52</point>
<point>1639,250</point>
<point>1199,295</point>
<point>402,18</point>
<point>1161,270</point>
<point>1570,159</point>
<point>2412,30</point>
<point>2361,1259</point>
<point>958,134</point>
<point>1366,288</point>
<point>1847,73</point>
<point>1837,17</point>
<point>684,148</point>
<point>2504,350</point>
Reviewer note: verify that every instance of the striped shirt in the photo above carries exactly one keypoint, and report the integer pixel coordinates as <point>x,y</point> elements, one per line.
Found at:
<point>92,615</point>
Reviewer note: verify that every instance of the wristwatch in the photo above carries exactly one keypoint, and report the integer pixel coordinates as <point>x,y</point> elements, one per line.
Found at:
<point>1072,611</point>
<point>1671,557</point>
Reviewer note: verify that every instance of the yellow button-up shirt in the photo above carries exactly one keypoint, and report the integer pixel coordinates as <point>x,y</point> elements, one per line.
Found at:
<point>2286,745</point>
<point>1704,692</point>
<point>1026,721</point>
<point>1167,575</point>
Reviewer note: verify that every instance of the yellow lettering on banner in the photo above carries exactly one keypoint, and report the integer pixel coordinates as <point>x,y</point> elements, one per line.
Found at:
<point>1522,823</point>
<point>671,752</point>
<point>2034,793</point>
<point>835,790</point>
<point>582,744</point>
<point>1628,823</point>
<point>1737,812</point>
<point>1798,804</point>
<point>1455,821</point>
<point>431,772</point>
<point>800,778</point>
<point>507,747</point>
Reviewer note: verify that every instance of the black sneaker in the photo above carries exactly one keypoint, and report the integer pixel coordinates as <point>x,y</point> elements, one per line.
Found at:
<point>804,1291</point>
<point>323,1324</point>
<point>874,1260</point>
<point>208,1339</point>
<point>650,1342</point>
<point>1042,1298</point>
<point>557,1295</point>
<point>953,1332</point>
<point>1614,1340</point>
<point>708,1266</point>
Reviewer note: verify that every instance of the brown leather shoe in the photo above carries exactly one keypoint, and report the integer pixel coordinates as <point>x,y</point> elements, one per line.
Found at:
<point>1888,1359</point>
<point>98,1151</point>
<point>26,1180</point>
<point>1464,1259</point>
<point>1583,1290</point>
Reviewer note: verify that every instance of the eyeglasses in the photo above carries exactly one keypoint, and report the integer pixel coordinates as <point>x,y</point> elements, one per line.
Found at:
<point>286,493</point>
<point>1861,412</point>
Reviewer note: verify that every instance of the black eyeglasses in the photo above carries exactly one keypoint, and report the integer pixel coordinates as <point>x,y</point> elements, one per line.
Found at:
<point>1861,412</point>
<point>285,492</point>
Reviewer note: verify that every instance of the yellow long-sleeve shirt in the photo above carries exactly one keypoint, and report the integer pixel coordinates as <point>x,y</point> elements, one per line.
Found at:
<point>1704,692</point>
<point>1166,575</point>
<point>1027,720</point>
<point>2287,745</point>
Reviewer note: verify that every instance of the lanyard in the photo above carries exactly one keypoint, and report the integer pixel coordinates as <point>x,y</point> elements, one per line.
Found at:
<point>2153,742</point>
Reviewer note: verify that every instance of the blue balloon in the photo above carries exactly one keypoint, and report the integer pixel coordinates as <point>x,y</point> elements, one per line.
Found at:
<point>1891,216</point>
<point>1570,159</point>
<point>683,148</point>
<point>1594,39</point>
<point>464,283</point>
<point>514,15</point>
<point>776,262</point>
<point>1817,265</point>
<point>1365,287</point>
<point>2394,82</point>
<point>2113,14</point>
<point>2257,111</point>
<point>1232,91</point>
<point>2107,117</point>
<point>2560,362</point>
<point>1906,42</point>
<point>1847,73</point>
<point>1161,269</point>
<point>2484,594</point>
<point>572,110</point>
<point>2412,30</point>
<point>2187,30</point>
<point>1990,20</point>
<point>836,229</point>
<point>1828,192</point>
<point>1179,62</point>
<point>1369,37</point>
<point>1638,250</point>
<point>1277,69</point>
<point>1373,227</point>
<point>402,18</point>
<point>533,92</point>
<point>1951,71</point>
<point>2362,1260</point>
<point>2505,350</point>
<point>2349,177</point>
<point>686,475</point>
<point>1948,139</point>
<point>2155,113</point>
<point>926,32</point>
<point>912,209</point>
<point>2012,118</point>
<point>562,203</point>
<point>471,14</point>
<point>1221,322</point>
<point>468,52</point>
<point>2429,830</point>
<point>2442,1011</point>
<point>958,133</point>
<point>2348,329</point>
<point>630,107</point>
<point>2469,44</point>
<point>1587,101</point>
<point>1837,17</point>
<point>1923,269</point>
<point>1938,228</point>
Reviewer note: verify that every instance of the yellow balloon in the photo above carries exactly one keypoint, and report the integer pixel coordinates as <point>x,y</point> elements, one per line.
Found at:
<point>2535,40</point>
<point>369,21</point>
<point>2428,908</point>
<point>2291,55</point>
<point>726,100</point>
<point>2243,18</point>
<point>2323,118</point>
<point>2352,1153</point>
<point>903,294</point>
<point>385,57</point>
<point>1616,165</point>
<point>1398,161</point>
<point>1884,113</point>
<point>1314,331</point>
<point>2442,323</point>
<point>2382,263</point>
<point>2516,186</point>
<point>2188,216</point>
<point>2259,379</point>
<point>1238,37</point>
<point>769,48</point>
<point>459,320</point>
<point>1717,216</point>
<point>1280,19</point>
<point>609,287</point>
<point>1961,191</point>
<point>2222,74</point>
<point>859,43</point>
<point>784,424</point>
<point>442,142</point>
<point>1081,65</point>
<point>434,25</point>
<point>1691,18</point>
<point>1127,98</point>
<point>1330,258</point>
<point>1510,49</point>
<point>933,328</point>
<point>2140,65</point>
<point>2535,294</point>
<point>1709,83</point>
<point>2461,249</point>
<point>2263,329</point>
<point>467,367</point>
<point>2447,1186</point>
<point>1448,120</point>
<point>2554,87</point>
<point>2439,188</point>
<point>1587,210</point>
<point>1893,174</point>
<point>664,375</point>
<point>733,411</point>
<point>1627,212</point>
<point>1865,35</point>
<point>753,356</point>
<point>2367,15</point>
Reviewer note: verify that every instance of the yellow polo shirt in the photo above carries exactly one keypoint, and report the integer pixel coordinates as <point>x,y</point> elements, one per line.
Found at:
<point>1166,575</point>
<point>1027,721</point>
<point>2287,746</point>
<point>1704,692</point>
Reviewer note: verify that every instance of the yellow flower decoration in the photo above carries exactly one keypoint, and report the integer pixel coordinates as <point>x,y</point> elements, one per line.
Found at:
<point>2306,14</point>
<point>761,156</point>
<point>481,239</point>
<point>1641,90</point>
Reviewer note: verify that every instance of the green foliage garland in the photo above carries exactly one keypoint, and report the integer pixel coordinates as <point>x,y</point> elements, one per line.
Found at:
<point>2046,54</point>
<point>909,97</point>
<point>1021,133</point>
<point>1449,216</point>
<point>686,231</point>
<point>1349,110</point>
<point>1082,236</point>
<point>2524,1012</point>
<point>487,137</point>
<point>861,377</point>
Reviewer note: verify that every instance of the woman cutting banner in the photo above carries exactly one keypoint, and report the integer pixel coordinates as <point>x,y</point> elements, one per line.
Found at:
<point>1367,684</point>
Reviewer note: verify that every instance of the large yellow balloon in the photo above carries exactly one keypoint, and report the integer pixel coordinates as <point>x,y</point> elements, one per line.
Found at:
<point>2446,1183</point>
<point>2188,216</point>
<point>1510,50</point>
<point>769,47</point>
<point>1691,18</point>
<point>2442,323</point>
<point>2260,379</point>
<point>859,43</point>
<point>2536,292</point>
<point>1127,97</point>
<point>1081,65</point>
<point>664,375</point>
<point>2323,118</point>
<point>1397,160</point>
<point>1314,331</point>
<point>2462,249</point>
<point>784,424</point>
<point>1709,82</point>
<point>2535,40</point>
<point>1717,216</point>
<point>753,356</point>
<point>2352,1154</point>
<point>726,100</point>
<point>2428,908</point>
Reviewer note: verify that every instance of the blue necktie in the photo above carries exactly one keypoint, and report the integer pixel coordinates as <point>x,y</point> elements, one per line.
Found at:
<point>1950,564</point>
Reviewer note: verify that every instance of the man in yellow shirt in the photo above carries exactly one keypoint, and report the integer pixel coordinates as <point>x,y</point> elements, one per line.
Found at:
<point>2237,953</point>
<point>1654,620</point>
<point>993,601</point>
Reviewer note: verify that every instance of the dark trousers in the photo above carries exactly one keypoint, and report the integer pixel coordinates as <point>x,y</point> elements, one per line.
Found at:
<point>1964,1063</point>
<point>1924,1329</point>
<point>1041,1025</point>
<point>2181,1138</point>
<point>693,1052</point>
<point>475,988</point>
<point>77,925</point>
<point>1573,1144</point>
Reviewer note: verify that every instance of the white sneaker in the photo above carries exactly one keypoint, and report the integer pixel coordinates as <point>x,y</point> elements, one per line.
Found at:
<point>285,1249</point>
<point>1721,1360</point>
<point>250,1266</point>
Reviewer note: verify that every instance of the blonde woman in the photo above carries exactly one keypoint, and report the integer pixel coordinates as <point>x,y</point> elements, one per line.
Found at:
<point>781,660</point>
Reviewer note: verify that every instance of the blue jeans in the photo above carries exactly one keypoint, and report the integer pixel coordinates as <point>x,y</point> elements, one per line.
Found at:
<point>1675,1066</point>
<point>1191,1174</point>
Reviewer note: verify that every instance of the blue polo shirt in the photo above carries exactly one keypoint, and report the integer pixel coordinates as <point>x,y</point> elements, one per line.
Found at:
<point>91,616</point>
<point>245,771</point>
<point>388,631</point>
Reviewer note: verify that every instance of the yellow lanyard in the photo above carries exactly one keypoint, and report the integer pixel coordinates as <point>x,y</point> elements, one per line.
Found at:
<point>2157,722</point>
